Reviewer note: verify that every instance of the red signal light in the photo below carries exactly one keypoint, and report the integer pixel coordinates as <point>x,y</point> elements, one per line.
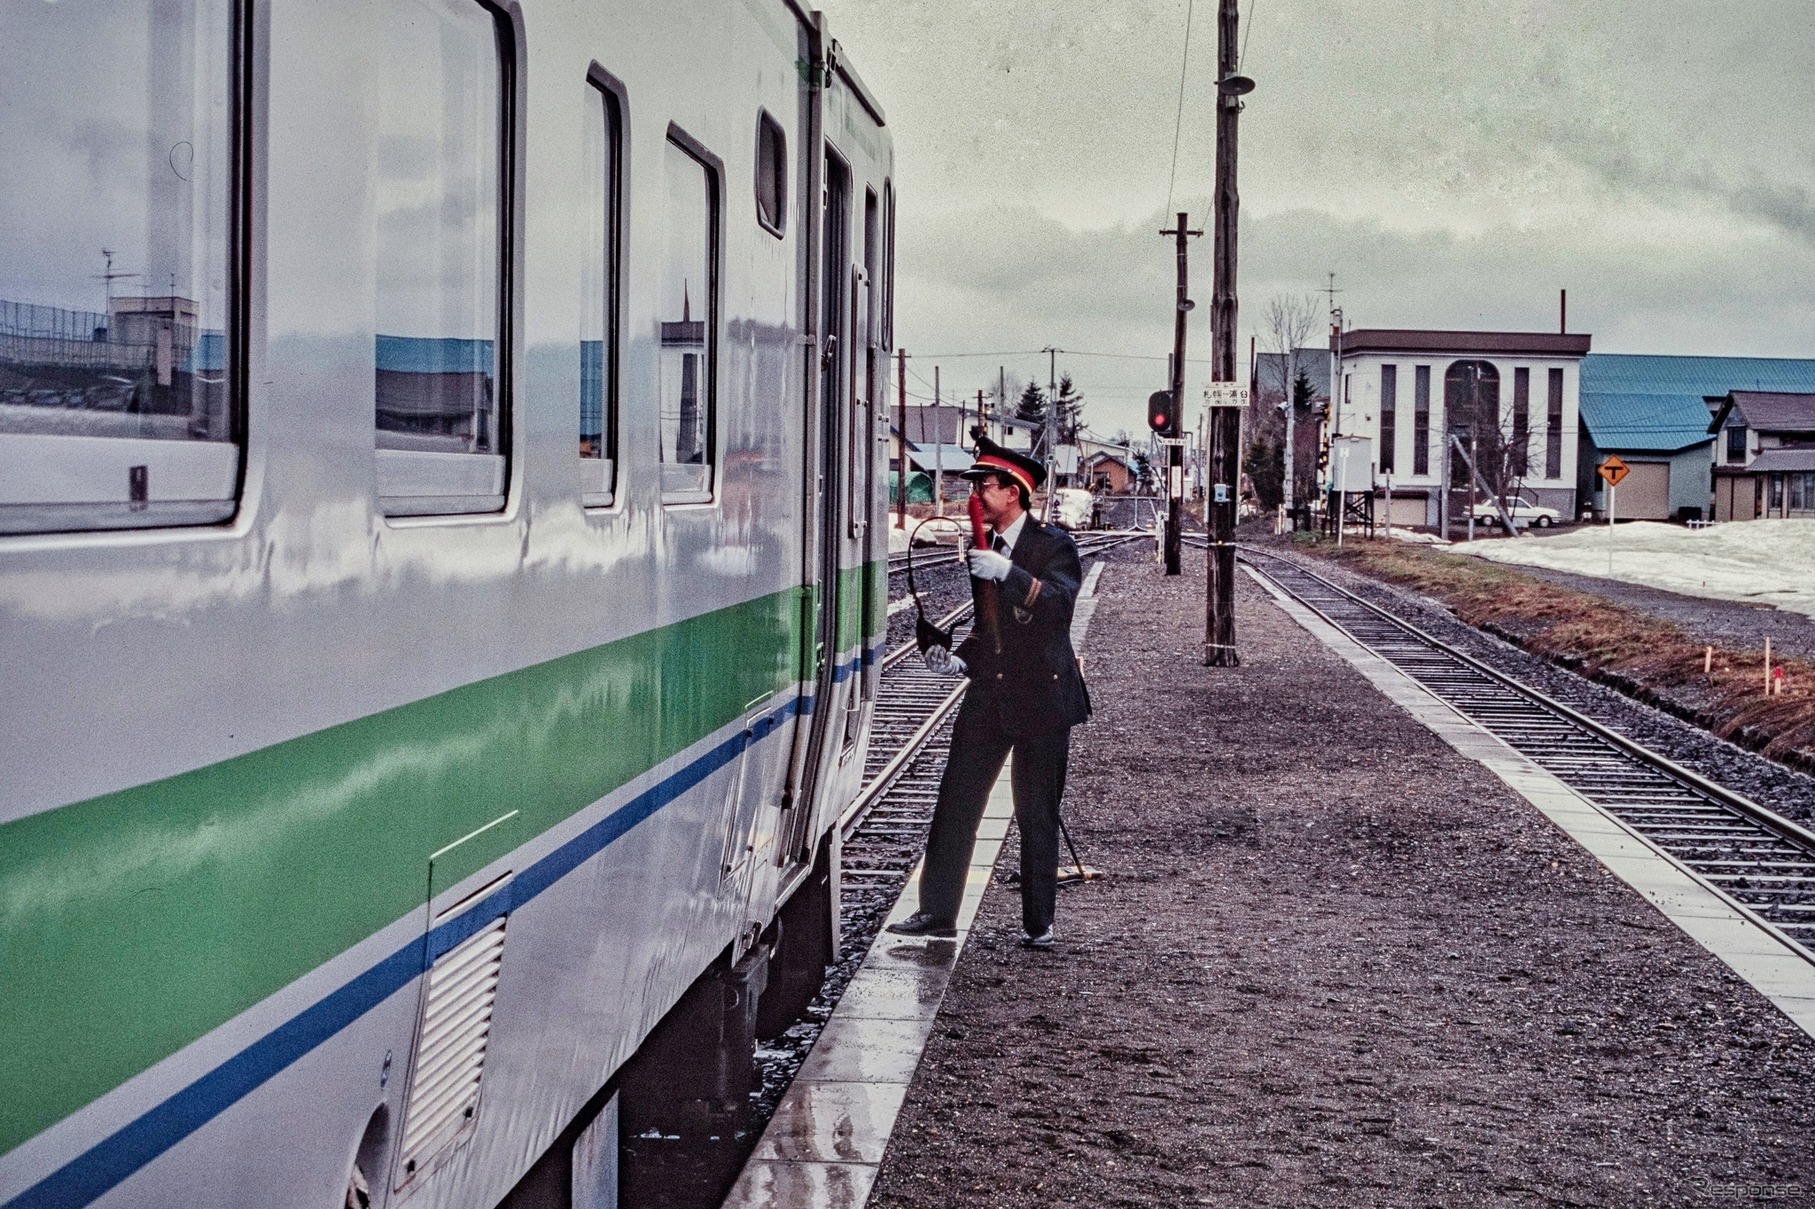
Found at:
<point>1159,412</point>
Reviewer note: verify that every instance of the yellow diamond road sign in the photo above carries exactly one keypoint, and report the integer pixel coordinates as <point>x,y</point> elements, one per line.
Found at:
<point>1613,470</point>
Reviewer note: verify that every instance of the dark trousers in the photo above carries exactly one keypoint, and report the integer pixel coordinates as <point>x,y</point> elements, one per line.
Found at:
<point>979,746</point>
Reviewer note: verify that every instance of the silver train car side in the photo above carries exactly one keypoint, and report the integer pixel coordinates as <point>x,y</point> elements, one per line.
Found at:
<point>441,574</point>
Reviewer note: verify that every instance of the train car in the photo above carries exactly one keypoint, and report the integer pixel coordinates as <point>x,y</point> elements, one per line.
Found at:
<point>441,574</point>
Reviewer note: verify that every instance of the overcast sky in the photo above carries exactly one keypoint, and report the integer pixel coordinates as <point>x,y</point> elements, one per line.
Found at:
<point>1454,162</point>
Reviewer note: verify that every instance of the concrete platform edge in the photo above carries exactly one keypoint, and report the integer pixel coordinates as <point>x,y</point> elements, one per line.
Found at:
<point>824,1145</point>
<point>1757,954</point>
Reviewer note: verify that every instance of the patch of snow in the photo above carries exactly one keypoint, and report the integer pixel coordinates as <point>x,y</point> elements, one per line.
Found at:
<point>1416,536</point>
<point>1759,562</point>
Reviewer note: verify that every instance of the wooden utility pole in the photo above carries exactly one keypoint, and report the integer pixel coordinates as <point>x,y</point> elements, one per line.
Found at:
<point>1049,431</point>
<point>1000,432</point>
<point>901,471</point>
<point>1175,453</point>
<point>1225,422</point>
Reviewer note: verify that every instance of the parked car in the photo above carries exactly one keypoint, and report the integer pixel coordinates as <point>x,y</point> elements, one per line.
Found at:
<point>1524,513</point>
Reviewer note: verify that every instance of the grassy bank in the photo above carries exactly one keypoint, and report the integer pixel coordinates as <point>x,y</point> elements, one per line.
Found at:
<point>1650,659</point>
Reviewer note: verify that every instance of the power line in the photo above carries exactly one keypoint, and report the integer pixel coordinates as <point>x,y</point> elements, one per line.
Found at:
<point>922,378</point>
<point>1178,119</point>
<point>1067,352</point>
<point>1025,352</point>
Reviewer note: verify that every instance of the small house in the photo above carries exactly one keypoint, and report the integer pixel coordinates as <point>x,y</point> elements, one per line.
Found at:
<point>1764,460</point>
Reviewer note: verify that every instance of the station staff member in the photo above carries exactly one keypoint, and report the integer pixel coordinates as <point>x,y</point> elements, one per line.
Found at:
<point>1025,696</point>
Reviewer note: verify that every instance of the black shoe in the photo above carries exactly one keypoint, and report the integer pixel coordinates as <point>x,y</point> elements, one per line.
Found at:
<point>920,923</point>
<point>1043,940</point>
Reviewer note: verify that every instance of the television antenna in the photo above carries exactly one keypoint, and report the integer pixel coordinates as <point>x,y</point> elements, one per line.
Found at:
<point>108,277</point>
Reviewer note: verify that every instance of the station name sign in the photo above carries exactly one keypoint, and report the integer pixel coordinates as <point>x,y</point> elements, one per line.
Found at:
<point>1225,394</point>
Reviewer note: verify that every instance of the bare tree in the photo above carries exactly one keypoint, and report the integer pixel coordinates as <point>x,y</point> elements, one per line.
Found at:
<point>1291,318</point>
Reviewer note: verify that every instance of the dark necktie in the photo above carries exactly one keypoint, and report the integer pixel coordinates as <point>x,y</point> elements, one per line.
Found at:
<point>998,545</point>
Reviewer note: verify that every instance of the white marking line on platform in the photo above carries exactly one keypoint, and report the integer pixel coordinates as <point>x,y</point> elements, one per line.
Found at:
<point>1779,972</point>
<point>824,1145</point>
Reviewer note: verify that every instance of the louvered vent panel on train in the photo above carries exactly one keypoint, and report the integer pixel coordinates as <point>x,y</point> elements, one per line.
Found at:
<point>456,1024</point>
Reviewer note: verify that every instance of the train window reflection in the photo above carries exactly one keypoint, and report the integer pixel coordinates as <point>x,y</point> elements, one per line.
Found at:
<point>438,181</point>
<point>771,175</point>
<point>688,317</point>
<point>602,160</point>
<point>116,121</point>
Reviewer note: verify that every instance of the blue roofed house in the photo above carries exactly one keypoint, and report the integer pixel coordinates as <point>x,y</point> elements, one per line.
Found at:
<point>1654,412</point>
<point>1629,409</point>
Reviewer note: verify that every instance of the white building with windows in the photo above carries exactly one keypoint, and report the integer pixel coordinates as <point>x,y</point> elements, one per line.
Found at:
<point>1515,394</point>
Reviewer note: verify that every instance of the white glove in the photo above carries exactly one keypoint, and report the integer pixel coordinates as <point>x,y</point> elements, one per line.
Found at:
<point>987,564</point>
<point>941,662</point>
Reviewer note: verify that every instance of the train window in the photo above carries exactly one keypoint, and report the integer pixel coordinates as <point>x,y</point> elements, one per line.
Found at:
<point>771,175</point>
<point>688,320</point>
<point>603,160</point>
<point>441,114</point>
<point>118,351</point>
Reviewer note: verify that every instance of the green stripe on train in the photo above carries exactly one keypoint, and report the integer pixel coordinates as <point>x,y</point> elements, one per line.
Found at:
<point>133,923</point>
<point>863,603</point>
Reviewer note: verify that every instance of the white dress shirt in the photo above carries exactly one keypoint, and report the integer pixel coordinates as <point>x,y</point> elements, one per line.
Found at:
<point>1009,535</point>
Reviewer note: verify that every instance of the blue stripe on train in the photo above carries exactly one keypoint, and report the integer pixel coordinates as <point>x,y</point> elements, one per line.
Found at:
<point>111,1161</point>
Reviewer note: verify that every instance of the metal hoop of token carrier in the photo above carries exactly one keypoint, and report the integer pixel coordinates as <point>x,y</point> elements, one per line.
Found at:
<point>926,634</point>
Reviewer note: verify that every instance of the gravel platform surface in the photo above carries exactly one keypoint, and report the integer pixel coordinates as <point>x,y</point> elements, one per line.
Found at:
<point>1334,964</point>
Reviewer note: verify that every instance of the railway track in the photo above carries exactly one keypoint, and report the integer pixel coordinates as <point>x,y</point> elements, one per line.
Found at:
<point>928,557</point>
<point>1760,861</point>
<point>925,559</point>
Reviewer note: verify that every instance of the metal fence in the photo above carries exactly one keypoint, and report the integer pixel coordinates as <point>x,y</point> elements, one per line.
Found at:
<point>30,320</point>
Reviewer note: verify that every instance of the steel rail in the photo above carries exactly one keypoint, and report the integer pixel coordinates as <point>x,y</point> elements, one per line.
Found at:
<point>939,556</point>
<point>1753,857</point>
<point>923,560</point>
<point>899,678</point>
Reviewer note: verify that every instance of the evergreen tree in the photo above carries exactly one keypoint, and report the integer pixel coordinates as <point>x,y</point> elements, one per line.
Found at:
<point>1266,470</point>
<point>1143,471</point>
<point>1032,404</point>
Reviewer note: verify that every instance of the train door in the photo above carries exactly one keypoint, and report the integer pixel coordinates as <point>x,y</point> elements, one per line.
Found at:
<point>862,446</point>
<point>823,443</point>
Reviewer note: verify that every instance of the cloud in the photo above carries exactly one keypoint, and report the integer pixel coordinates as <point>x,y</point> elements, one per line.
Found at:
<point>1454,162</point>
<point>1013,279</point>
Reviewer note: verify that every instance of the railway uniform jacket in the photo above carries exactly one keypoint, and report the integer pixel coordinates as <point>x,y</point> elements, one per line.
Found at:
<point>1033,686</point>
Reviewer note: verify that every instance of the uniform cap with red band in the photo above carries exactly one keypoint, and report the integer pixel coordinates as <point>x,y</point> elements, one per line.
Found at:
<point>993,459</point>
